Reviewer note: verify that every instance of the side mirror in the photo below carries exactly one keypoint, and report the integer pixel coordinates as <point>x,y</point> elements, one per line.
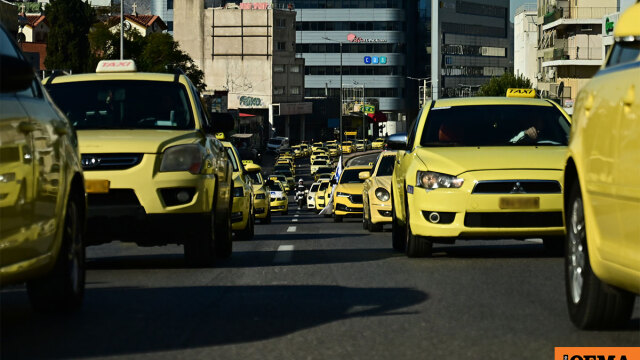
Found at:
<point>397,142</point>
<point>221,122</point>
<point>15,74</point>
<point>363,175</point>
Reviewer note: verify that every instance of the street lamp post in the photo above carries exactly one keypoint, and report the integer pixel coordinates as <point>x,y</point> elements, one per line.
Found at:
<point>341,99</point>
<point>121,29</point>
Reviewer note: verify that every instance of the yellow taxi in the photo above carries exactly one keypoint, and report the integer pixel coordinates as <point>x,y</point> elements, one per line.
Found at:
<point>316,145</point>
<point>321,195</point>
<point>334,150</point>
<point>297,151</point>
<point>347,200</point>
<point>318,164</point>
<point>376,193</point>
<point>41,230</point>
<point>261,197</point>
<point>306,150</point>
<point>284,166</point>
<point>347,147</point>
<point>377,144</point>
<point>480,167</point>
<point>242,211</point>
<point>315,154</point>
<point>602,182</point>
<point>279,199</point>
<point>283,180</point>
<point>151,159</point>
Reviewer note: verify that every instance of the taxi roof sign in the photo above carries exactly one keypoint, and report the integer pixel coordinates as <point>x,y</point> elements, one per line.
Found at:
<point>521,93</point>
<point>111,66</point>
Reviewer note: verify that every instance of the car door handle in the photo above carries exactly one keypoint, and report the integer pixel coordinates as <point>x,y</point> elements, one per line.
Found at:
<point>589,103</point>
<point>26,127</point>
<point>630,97</point>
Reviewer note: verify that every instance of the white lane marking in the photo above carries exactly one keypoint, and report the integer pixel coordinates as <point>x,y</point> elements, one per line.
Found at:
<point>284,254</point>
<point>296,215</point>
<point>537,241</point>
<point>294,220</point>
<point>291,229</point>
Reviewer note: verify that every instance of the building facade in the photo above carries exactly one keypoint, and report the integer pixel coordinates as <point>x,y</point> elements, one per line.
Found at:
<point>525,42</point>
<point>475,44</point>
<point>247,51</point>
<point>570,48</point>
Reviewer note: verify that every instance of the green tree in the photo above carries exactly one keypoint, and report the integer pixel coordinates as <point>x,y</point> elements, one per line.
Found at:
<point>498,86</point>
<point>68,43</point>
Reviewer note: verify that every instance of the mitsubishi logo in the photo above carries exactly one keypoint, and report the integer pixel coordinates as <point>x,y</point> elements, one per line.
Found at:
<point>90,162</point>
<point>518,189</point>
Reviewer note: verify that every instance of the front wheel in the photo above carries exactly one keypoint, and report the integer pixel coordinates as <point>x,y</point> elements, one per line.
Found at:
<point>398,234</point>
<point>592,303</point>
<point>63,287</point>
<point>248,231</point>
<point>267,219</point>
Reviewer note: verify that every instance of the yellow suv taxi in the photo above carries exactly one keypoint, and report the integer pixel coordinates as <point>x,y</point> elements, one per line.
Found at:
<point>483,167</point>
<point>377,144</point>
<point>155,172</point>
<point>42,195</point>
<point>278,198</point>
<point>347,147</point>
<point>347,199</point>
<point>602,182</point>
<point>376,193</point>
<point>242,216</point>
<point>261,191</point>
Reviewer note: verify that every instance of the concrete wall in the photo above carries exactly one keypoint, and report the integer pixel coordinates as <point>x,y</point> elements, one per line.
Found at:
<point>188,17</point>
<point>525,46</point>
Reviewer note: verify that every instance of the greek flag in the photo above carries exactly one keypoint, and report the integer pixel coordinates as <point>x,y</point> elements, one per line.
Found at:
<point>328,209</point>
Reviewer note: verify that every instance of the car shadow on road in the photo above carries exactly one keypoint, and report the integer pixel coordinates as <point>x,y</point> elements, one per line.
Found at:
<point>125,321</point>
<point>294,236</point>
<point>522,250</point>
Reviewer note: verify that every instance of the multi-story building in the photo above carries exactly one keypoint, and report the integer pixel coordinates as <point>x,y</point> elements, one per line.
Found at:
<point>475,44</point>
<point>164,9</point>
<point>247,51</point>
<point>569,45</point>
<point>525,45</point>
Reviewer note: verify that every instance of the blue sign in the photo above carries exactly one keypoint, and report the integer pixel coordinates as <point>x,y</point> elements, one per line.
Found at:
<point>367,59</point>
<point>375,60</point>
<point>383,59</point>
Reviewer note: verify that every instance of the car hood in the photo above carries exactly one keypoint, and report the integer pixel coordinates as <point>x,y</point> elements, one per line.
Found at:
<point>133,141</point>
<point>381,181</point>
<point>457,161</point>
<point>276,194</point>
<point>350,188</point>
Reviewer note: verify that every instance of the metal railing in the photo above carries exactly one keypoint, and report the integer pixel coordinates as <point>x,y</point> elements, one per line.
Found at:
<point>574,53</point>
<point>566,12</point>
<point>526,8</point>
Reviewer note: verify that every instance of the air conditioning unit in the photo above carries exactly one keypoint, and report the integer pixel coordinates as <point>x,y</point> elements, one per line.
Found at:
<point>551,73</point>
<point>539,76</point>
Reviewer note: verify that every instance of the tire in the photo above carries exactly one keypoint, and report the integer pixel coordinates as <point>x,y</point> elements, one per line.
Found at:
<point>62,289</point>
<point>248,231</point>
<point>554,245</point>
<point>375,227</point>
<point>223,244</point>
<point>200,247</point>
<point>398,234</point>
<point>416,246</point>
<point>266,220</point>
<point>592,303</point>
<point>337,218</point>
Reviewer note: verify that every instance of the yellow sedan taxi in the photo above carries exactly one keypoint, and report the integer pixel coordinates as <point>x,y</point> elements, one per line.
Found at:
<point>150,158</point>
<point>321,195</point>
<point>261,202</point>
<point>242,215</point>
<point>480,167</point>
<point>602,182</point>
<point>347,200</point>
<point>279,199</point>
<point>41,230</point>
<point>348,147</point>
<point>376,193</point>
<point>377,144</point>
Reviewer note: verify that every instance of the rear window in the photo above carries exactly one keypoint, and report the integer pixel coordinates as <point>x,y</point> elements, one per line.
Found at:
<point>495,125</point>
<point>323,186</point>
<point>351,177</point>
<point>124,104</point>
<point>386,166</point>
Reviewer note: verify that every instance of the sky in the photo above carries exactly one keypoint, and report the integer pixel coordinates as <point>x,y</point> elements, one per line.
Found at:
<point>516,3</point>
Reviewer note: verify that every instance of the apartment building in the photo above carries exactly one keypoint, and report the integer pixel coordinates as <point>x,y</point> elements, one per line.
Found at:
<point>525,44</point>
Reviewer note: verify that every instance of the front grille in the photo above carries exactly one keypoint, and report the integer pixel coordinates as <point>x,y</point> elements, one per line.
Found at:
<point>115,197</point>
<point>91,162</point>
<point>513,219</point>
<point>356,199</point>
<point>342,207</point>
<point>517,187</point>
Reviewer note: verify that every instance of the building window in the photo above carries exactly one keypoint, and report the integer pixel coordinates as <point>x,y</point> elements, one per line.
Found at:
<point>281,46</point>
<point>169,4</point>
<point>294,90</point>
<point>278,68</point>
<point>281,23</point>
<point>169,25</point>
<point>294,68</point>
<point>278,90</point>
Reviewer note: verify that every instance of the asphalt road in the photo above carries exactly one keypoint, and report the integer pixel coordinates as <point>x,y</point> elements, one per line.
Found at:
<point>307,288</point>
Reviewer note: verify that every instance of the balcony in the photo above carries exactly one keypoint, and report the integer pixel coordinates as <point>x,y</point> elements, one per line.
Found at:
<point>566,12</point>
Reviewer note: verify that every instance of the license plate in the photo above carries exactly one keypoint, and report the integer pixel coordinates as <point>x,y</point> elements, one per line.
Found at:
<point>519,203</point>
<point>97,186</point>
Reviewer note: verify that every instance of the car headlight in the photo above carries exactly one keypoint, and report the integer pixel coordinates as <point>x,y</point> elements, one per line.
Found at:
<point>238,192</point>
<point>341,194</point>
<point>182,158</point>
<point>432,180</point>
<point>260,196</point>
<point>7,177</point>
<point>382,194</point>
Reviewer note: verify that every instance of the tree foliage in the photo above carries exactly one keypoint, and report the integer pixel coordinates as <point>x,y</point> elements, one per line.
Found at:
<point>498,86</point>
<point>157,52</point>
<point>68,44</point>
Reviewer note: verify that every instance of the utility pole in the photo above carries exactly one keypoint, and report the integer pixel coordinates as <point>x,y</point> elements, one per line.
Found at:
<point>435,50</point>
<point>341,93</point>
<point>364,116</point>
<point>121,29</point>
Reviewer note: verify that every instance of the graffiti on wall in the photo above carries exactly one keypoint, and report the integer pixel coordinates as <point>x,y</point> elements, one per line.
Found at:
<point>250,101</point>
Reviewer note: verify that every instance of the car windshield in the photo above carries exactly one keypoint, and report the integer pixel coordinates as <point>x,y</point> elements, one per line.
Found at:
<point>278,186</point>
<point>379,140</point>
<point>386,166</point>
<point>350,176</point>
<point>320,163</point>
<point>346,143</point>
<point>232,157</point>
<point>282,167</point>
<point>285,173</point>
<point>324,170</point>
<point>255,177</point>
<point>314,188</point>
<point>124,104</point>
<point>495,125</point>
<point>323,186</point>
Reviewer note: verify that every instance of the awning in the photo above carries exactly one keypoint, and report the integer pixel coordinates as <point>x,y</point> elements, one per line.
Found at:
<point>245,115</point>
<point>242,136</point>
<point>378,116</point>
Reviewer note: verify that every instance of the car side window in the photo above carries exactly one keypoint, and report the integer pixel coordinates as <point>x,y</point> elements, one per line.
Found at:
<point>6,45</point>
<point>624,52</point>
<point>33,91</point>
<point>414,129</point>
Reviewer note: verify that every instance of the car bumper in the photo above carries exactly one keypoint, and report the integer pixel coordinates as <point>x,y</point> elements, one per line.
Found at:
<point>465,214</point>
<point>261,208</point>
<point>380,213</point>
<point>279,206</point>
<point>343,206</point>
<point>240,213</point>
